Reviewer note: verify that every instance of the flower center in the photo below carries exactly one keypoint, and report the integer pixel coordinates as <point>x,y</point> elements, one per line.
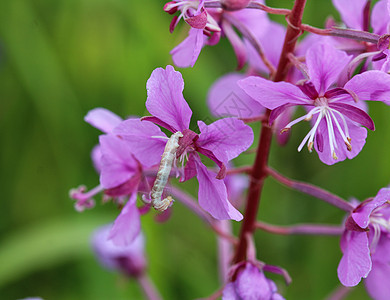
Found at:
<point>332,118</point>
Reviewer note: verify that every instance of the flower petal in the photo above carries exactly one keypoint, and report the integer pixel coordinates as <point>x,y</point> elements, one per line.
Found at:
<point>371,86</point>
<point>356,261</point>
<point>325,63</point>
<point>143,140</point>
<point>273,94</point>
<point>117,163</point>
<point>252,284</point>
<point>109,254</point>
<point>380,17</point>
<point>127,225</point>
<point>229,293</point>
<point>165,98</point>
<point>355,114</point>
<point>227,99</point>
<point>212,195</point>
<point>237,44</point>
<point>377,282</point>
<point>102,119</point>
<point>361,215</point>
<point>187,52</point>
<point>351,12</point>
<point>96,156</point>
<point>226,138</point>
<point>358,139</point>
<point>272,44</point>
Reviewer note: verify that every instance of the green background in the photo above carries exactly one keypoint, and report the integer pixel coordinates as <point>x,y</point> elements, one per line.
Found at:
<point>61,58</point>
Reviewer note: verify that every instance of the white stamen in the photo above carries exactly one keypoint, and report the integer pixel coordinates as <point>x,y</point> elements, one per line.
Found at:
<point>346,141</point>
<point>305,117</point>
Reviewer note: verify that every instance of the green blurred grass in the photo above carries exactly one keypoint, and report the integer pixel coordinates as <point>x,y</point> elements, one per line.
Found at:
<point>58,59</point>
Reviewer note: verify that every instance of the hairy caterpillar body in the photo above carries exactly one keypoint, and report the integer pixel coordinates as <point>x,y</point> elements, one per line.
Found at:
<point>164,170</point>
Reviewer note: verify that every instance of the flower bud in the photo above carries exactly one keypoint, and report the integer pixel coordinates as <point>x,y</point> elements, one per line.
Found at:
<point>129,260</point>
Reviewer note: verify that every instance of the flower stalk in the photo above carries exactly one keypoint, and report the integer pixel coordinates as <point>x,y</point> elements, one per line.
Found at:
<point>259,172</point>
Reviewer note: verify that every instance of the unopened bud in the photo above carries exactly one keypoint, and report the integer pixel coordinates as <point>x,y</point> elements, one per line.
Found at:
<point>234,4</point>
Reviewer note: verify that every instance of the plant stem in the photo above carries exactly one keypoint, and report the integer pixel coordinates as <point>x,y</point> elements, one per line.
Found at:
<point>148,287</point>
<point>259,172</point>
<point>303,229</point>
<point>312,190</point>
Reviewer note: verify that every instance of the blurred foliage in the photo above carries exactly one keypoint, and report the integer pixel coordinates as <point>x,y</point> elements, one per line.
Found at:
<point>59,59</point>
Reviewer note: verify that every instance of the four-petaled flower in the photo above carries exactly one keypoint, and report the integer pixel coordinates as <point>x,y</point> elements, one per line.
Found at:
<point>337,113</point>
<point>365,244</point>
<point>220,141</point>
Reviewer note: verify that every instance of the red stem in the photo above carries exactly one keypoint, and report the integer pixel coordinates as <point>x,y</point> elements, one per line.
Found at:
<point>259,172</point>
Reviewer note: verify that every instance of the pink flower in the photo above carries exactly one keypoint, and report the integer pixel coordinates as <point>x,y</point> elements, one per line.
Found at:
<point>336,112</point>
<point>220,141</point>
<point>366,246</point>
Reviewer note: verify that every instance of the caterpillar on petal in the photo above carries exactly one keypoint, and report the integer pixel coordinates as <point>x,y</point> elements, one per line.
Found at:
<point>164,170</point>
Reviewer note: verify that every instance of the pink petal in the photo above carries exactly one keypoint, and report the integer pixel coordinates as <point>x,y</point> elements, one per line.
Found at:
<point>109,254</point>
<point>325,63</point>
<point>271,42</point>
<point>227,99</point>
<point>273,94</point>
<point>96,156</point>
<point>212,195</point>
<point>237,44</point>
<point>351,12</point>
<point>226,138</point>
<point>117,163</point>
<point>165,98</point>
<point>143,140</point>
<point>377,282</point>
<point>358,139</point>
<point>380,17</point>
<point>361,215</point>
<point>229,292</point>
<point>127,225</point>
<point>102,119</point>
<point>356,261</point>
<point>252,284</point>
<point>187,52</point>
<point>354,114</point>
<point>371,86</point>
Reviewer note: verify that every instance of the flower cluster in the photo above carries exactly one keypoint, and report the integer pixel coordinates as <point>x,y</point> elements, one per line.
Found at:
<point>330,81</point>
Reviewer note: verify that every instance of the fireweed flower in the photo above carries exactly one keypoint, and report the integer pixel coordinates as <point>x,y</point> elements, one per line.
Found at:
<point>365,244</point>
<point>355,15</point>
<point>207,26</point>
<point>336,112</point>
<point>120,177</point>
<point>129,259</point>
<point>220,141</point>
